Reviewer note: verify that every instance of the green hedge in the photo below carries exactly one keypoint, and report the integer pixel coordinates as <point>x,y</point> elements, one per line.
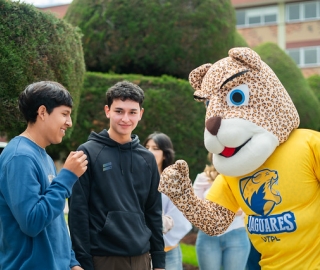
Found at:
<point>153,37</point>
<point>314,83</point>
<point>169,108</point>
<point>35,46</point>
<point>293,80</point>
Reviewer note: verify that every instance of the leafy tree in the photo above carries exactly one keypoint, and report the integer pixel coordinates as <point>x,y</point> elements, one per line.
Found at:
<point>292,79</point>
<point>314,83</point>
<point>35,46</point>
<point>153,37</point>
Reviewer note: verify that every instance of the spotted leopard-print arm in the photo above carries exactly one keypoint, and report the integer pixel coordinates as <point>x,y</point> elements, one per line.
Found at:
<point>208,216</point>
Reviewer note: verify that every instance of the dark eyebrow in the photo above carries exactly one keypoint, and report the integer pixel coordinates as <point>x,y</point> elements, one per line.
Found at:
<point>134,109</point>
<point>233,76</point>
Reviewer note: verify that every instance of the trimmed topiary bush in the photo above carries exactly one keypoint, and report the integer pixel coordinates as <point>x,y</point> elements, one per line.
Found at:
<point>314,83</point>
<point>153,37</point>
<point>35,46</point>
<point>169,108</point>
<point>292,79</point>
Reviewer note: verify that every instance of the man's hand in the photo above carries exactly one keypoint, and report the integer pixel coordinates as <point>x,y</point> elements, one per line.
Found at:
<point>77,267</point>
<point>76,162</point>
<point>167,223</point>
<point>174,180</point>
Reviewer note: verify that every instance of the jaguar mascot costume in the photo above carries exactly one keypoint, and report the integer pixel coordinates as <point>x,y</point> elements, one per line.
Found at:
<point>268,167</point>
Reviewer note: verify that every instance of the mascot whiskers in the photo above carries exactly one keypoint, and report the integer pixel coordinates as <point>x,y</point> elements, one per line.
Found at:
<point>268,166</point>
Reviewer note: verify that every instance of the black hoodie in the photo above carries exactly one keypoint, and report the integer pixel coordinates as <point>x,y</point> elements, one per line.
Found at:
<point>115,208</point>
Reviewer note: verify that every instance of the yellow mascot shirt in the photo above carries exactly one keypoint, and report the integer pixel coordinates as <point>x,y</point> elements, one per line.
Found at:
<point>282,202</point>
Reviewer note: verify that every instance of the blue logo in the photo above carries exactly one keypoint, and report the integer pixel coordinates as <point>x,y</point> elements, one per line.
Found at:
<point>107,166</point>
<point>261,196</point>
<point>284,222</point>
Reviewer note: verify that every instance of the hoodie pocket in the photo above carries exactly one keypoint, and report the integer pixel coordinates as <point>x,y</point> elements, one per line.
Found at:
<point>125,233</point>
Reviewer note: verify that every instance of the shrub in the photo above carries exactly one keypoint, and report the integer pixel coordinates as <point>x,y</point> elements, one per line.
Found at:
<point>292,79</point>
<point>169,108</point>
<point>314,83</point>
<point>35,46</point>
<point>153,37</point>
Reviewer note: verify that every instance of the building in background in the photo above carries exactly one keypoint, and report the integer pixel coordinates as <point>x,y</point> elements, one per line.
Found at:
<point>58,10</point>
<point>293,25</point>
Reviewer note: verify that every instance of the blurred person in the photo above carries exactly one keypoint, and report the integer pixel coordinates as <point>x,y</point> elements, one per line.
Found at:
<point>175,225</point>
<point>33,230</point>
<point>115,209</point>
<point>253,259</point>
<point>229,250</point>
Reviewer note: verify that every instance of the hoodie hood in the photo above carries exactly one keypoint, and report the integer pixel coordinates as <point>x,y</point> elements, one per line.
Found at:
<point>104,138</point>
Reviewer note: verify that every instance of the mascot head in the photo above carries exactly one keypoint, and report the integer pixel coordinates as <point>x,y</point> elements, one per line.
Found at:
<point>249,112</point>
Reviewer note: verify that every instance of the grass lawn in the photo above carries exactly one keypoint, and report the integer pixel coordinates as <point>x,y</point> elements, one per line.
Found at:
<point>189,254</point>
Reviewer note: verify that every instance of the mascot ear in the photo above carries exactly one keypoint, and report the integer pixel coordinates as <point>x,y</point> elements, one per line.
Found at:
<point>196,76</point>
<point>246,57</point>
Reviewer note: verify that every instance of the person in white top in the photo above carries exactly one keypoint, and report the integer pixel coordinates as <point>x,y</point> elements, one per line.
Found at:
<point>175,225</point>
<point>229,250</point>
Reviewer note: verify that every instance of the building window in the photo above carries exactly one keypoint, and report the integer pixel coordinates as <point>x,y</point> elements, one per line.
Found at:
<point>305,57</point>
<point>303,11</point>
<point>257,16</point>
<point>293,12</point>
<point>310,10</point>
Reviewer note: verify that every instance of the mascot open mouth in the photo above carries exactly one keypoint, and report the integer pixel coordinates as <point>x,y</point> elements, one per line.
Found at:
<point>231,151</point>
<point>274,181</point>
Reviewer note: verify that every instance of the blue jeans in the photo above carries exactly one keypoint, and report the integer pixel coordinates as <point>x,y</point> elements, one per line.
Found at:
<point>174,259</point>
<point>230,250</point>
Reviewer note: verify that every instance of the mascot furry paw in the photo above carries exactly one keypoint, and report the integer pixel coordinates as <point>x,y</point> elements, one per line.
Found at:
<point>267,166</point>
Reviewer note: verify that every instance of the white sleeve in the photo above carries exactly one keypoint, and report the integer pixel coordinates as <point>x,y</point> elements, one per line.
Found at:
<point>201,185</point>
<point>181,225</point>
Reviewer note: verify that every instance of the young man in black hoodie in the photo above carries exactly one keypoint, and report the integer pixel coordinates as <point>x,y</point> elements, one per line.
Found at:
<point>115,209</point>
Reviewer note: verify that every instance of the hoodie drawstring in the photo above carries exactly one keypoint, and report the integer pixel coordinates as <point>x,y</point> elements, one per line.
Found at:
<point>120,161</point>
<point>131,158</point>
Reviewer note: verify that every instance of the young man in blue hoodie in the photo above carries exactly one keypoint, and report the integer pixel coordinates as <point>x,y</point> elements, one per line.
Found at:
<point>115,211</point>
<point>33,231</point>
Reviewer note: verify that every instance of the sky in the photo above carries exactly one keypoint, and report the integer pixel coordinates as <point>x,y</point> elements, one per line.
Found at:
<point>46,3</point>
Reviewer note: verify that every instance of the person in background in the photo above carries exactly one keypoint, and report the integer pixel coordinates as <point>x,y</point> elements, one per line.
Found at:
<point>175,225</point>
<point>254,259</point>
<point>33,231</point>
<point>229,250</point>
<point>115,211</point>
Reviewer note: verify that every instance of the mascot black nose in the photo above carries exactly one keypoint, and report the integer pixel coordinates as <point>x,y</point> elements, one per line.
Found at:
<point>213,124</point>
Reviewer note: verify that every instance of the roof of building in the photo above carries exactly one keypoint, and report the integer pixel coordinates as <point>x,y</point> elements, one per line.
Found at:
<point>254,3</point>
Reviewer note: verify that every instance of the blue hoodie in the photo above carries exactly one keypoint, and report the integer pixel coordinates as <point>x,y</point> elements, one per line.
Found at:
<point>33,231</point>
<point>115,208</point>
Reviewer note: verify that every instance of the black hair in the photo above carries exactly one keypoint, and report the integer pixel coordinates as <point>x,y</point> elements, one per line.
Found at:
<point>164,143</point>
<point>46,93</point>
<point>125,90</point>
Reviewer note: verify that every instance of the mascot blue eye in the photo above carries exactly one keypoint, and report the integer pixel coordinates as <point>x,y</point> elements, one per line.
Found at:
<point>238,96</point>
